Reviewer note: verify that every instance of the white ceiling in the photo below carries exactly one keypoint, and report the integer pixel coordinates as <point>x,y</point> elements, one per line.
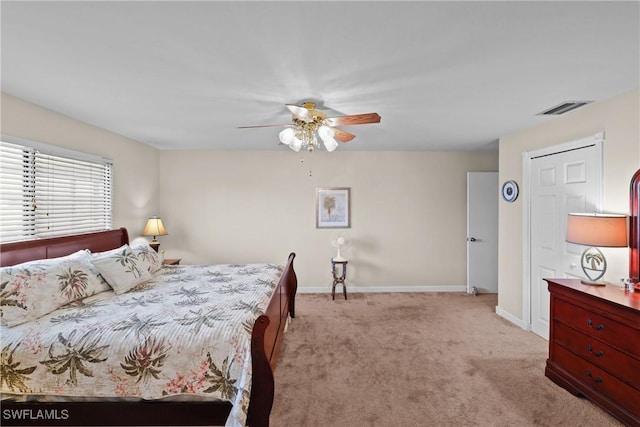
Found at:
<point>443,75</point>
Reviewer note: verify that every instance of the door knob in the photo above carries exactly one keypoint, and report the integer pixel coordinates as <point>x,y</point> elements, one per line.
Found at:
<point>471,239</point>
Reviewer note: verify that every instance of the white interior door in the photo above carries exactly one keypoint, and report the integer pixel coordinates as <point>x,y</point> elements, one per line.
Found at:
<point>482,231</point>
<point>560,183</point>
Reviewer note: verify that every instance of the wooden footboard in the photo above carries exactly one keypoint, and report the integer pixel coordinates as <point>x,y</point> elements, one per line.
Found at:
<point>266,341</point>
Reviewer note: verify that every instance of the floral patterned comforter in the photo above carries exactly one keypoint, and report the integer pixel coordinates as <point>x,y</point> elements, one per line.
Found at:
<point>186,331</point>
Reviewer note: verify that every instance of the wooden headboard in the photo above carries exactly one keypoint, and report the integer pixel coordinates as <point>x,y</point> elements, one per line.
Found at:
<point>634,229</point>
<point>18,252</point>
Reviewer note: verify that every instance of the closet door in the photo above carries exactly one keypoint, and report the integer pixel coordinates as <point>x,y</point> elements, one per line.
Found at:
<point>560,183</point>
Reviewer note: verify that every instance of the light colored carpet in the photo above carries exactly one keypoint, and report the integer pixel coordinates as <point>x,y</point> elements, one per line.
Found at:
<point>417,359</point>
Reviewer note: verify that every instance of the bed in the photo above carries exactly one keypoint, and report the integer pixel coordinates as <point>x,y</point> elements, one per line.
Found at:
<point>188,345</point>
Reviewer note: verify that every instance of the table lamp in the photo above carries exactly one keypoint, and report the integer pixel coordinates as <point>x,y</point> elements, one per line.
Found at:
<point>154,228</point>
<point>602,230</point>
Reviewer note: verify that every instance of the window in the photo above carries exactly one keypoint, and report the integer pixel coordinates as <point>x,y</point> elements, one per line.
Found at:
<point>48,191</point>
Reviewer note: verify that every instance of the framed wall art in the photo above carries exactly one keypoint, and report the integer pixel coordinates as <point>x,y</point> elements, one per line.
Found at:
<point>333,207</point>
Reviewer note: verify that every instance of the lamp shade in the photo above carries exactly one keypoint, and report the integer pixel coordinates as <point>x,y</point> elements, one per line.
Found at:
<point>327,134</point>
<point>154,227</point>
<point>288,137</point>
<point>603,230</point>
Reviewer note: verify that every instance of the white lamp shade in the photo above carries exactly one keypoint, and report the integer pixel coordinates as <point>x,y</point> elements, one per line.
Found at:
<point>603,230</point>
<point>288,137</point>
<point>296,144</point>
<point>154,227</point>
<point>326,134</point>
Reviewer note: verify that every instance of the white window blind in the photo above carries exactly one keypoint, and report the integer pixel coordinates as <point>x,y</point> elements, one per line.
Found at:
<point>48,192</point>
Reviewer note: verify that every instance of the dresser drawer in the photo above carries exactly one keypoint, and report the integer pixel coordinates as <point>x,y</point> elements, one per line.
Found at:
<point>599,380</point>
<point>598,326</point>
<point>604,356</point>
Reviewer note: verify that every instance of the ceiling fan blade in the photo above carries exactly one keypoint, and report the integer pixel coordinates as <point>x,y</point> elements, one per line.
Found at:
<point>342,136</point>
<point>307,113</point>
<point>354,119</point>
<point>263,126</point>
<point>299,111</point>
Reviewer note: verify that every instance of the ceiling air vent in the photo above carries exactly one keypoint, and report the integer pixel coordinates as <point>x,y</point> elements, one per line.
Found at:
<point>562,108</point>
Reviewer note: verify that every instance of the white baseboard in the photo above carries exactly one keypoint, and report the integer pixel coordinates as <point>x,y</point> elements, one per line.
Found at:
<point>513,319</point>
<point>370,289</point>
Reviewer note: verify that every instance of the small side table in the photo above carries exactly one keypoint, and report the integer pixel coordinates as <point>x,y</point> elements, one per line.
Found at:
<point>339,280</point>
<point>171,261</point>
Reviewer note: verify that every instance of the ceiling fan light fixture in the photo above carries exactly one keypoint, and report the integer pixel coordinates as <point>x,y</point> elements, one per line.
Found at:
<point>330,145</point>
<point>307,124</point>
<point>327,134</point>
<point>288,137</point>
<point>309,139</point>
<point>296,145</point>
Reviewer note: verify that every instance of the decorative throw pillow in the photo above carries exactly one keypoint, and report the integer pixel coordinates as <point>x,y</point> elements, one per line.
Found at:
<point>35,288</point>
<point>147,257</point>
<point>121,268</point>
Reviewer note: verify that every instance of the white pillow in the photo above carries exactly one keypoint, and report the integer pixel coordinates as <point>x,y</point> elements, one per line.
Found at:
<point>121,268</point>
<point>147,256</point>
<point>35,288</point>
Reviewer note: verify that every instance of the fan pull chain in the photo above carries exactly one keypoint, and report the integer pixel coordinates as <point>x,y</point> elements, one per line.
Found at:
<point>302,162</point>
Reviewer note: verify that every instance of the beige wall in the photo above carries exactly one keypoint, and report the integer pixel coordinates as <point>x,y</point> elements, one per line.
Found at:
<point>408,208</point>
<point>619,119</point>
<point>135,171</point>
<point>408,212</point>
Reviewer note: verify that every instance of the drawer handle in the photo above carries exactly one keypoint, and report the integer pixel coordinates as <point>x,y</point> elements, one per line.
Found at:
<point>596,379</point>
<point>597,328</point>
<point>598,354</point>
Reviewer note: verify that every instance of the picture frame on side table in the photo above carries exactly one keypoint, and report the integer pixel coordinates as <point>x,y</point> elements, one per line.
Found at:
<point>333,207</point>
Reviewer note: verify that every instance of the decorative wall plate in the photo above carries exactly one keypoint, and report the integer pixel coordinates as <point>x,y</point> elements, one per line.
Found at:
<point>510,191</point>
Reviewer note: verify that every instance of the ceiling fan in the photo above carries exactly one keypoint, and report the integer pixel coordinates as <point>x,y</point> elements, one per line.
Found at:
<point>307,122</point>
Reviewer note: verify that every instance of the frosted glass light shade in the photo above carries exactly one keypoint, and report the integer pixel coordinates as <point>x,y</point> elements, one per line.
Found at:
<point>326,134</point>
<point>288,137</point>
<point>296,144</point>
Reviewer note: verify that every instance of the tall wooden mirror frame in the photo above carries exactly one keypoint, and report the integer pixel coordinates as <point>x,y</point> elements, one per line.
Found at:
<point>634,229</point>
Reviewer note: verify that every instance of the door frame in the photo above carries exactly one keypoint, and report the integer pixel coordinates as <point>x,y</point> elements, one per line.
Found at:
<point>596,140</point>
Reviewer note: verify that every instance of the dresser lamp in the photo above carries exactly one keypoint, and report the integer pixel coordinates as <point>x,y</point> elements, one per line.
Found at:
<point>154,228</point>
<point>596,230</point>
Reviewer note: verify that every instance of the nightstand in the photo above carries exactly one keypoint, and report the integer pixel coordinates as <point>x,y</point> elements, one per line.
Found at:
<point>172,261</point>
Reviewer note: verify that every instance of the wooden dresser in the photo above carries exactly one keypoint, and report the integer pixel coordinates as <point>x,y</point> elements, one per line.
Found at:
<point>594,345</point>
